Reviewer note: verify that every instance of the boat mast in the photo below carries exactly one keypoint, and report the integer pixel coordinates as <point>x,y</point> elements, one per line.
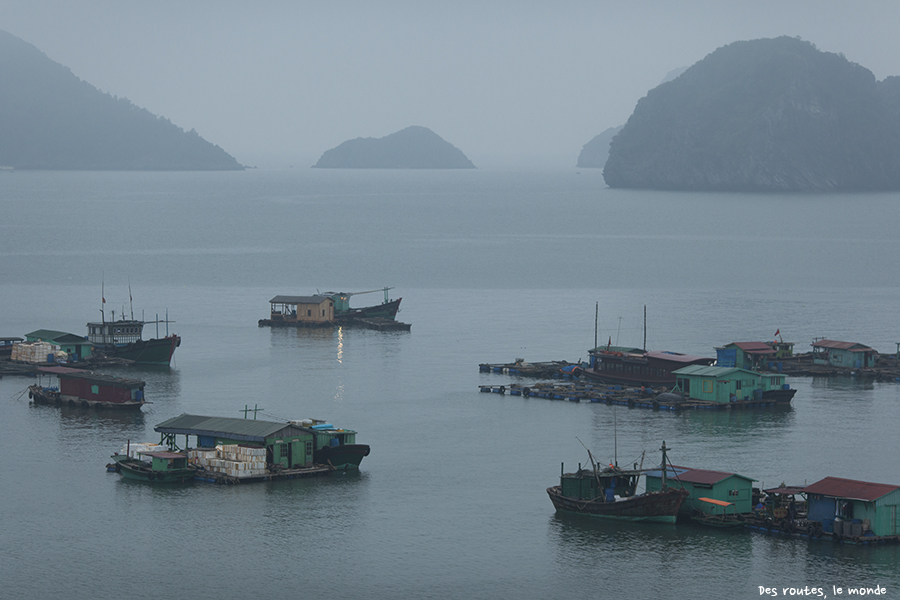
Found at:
<point>645,328</point>
<point>664,486</point>
<point>597,314</point>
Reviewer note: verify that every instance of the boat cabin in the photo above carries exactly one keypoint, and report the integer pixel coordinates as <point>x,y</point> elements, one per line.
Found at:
<point>843,503</point>
<point>286,445</point>
<point>725,384</point>
<point>6,345</point>
<point>94,387</point>
<point>638,367</point>
<point>850,355</point>
<point>302,309</point>
<point>588,484</point>
<point>728,488</point>
<point>165,461</point>
<point>115,333</point>
<point>745,355</point>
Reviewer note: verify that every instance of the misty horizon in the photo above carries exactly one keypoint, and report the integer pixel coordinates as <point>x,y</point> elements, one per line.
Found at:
<point>511,85</point>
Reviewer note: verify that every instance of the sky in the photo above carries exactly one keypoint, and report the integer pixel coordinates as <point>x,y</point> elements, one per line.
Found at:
<point>513,84</point>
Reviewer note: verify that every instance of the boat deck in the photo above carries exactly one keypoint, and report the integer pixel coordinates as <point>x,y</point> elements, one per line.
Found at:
<point>213,477</point>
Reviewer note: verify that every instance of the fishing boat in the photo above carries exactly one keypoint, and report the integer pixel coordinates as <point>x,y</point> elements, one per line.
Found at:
<point>342,310</point>
<point>611,493</point>
<point>634,366</point>
<point>148,462</point>
<point>335,447</point>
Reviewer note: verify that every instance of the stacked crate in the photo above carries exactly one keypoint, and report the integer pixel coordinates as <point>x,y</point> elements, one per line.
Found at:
<point>233,460</point>
<point>32,352</point>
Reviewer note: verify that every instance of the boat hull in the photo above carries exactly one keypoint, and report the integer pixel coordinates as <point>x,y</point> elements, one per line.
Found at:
<point>157,351</point>
<point>131,468</point>
<point>387,310</point>
<point>344,457</point>
<point>39,395</point>
<point>780,396</point>
<point>654,507</point>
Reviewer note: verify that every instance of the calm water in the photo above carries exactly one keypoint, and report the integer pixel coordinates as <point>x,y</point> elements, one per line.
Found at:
<point>451,502</point>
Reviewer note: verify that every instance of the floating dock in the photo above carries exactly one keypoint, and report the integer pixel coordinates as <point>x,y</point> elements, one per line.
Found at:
<point>623,396</point>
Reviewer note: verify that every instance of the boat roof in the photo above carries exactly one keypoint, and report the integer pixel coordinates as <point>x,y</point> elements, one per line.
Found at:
<point>70,373</point>
<point>58,337</point>
<point>787,490</point>
<point>689,475</point>
<point>850,489</point>
<point>754,347</point>
<point>710,371</point>
<point>250,430</point>
<point>677,357</point>
<point>299,299</point>
<point>11,339</point>
<point>166,455</point>
<point>841,345</point>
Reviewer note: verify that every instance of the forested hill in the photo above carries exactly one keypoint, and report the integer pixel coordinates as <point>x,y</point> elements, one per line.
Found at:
<point>51,119</point>
<point>763,115</point>
<point>411,148</point>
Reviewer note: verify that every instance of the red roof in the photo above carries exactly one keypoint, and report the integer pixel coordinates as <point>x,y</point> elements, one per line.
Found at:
<point>755,347</point>
<point>849,489</point>
<point>841,345</point>
<point>704,476</point>
<point>63,371</point>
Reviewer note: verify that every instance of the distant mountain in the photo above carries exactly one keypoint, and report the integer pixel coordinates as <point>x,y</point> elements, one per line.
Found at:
<point>763,115</point>
<point>411,148</point>
<point>596,151</point>
<point>51,119</point>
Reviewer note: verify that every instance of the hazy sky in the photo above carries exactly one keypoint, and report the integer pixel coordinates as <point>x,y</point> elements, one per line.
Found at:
<point>510,83</point>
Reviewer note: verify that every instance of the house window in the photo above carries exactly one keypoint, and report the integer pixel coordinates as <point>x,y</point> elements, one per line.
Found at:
<point>309,448</point>
<point>707,386</point>
<point>309,312</point>
<point>737,384</point>
<point>733,493</point>
<point>837,358</point>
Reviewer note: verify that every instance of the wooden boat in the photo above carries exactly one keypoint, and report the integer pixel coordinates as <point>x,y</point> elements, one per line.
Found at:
<point>610,493</point>
<point>154,466</point>
<point>87,389</point>
<point>124,339</point>
<point>634,366</point>
<point>335,447</point>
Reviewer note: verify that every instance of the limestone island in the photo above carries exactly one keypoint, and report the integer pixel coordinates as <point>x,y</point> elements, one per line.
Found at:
<point>54,120</point>
<point>411,148</point>
<point>768,115</point>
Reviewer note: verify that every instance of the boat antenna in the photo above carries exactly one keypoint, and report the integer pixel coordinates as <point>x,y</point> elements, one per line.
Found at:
<point>597,314</point>
<point>130,300</point>
<point>615,437</point>
<point>645,328</point>
<point>618,331</point>
<point>103,300</point>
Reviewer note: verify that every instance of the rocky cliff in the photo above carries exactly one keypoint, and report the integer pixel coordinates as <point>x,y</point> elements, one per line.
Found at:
<point>51,119</point>
<point>763,115</point>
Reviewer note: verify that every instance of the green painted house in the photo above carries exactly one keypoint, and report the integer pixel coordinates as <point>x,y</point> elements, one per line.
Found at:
<point>69,343</point>
<point>745,355</point>
<point>869,506</point>
<point>286,444</point>
<point>725,384</point>
<point>849,355</point>
<point>702,483</point>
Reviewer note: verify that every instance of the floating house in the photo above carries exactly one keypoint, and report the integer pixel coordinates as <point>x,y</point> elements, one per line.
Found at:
<point>854,507</point>
<point>284,444</point>
<point>75,346</point>
<point>730,384</point>
<point>6,345</point>
<point>701,483</point>
<point>78,387</point>
<point>849,355</point>
<point>302,310</point>
<point>745,355</point>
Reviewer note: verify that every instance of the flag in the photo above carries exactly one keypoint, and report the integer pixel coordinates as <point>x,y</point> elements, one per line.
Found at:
<point>778,331</point>
<point>609,343</point>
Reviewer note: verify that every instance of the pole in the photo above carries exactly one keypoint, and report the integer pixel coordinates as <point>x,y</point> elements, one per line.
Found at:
<point>597,314</point>
<point>645,328</point>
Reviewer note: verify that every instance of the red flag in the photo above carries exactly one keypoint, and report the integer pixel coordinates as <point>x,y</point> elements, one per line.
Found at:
<point>777,332</point>
<point>609,343</point>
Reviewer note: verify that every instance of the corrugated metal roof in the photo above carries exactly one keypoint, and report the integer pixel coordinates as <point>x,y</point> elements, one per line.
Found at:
<point>70,373</point>
<point>677,357</point>
<point>242,429</point>
<point>58,337</point>
<point>299,299</point>
<point>754,347</point>
<point>841,345</point>
<point>710,371</point>
<point>789,490</point>
<point>703,476</point>
<point>849,489</point>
